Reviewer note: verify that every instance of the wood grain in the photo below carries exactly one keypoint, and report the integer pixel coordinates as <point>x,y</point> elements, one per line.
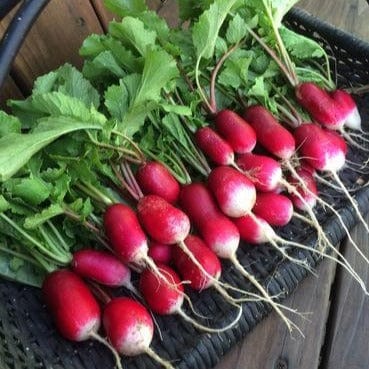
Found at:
<point>270,345</point>
<point>9,91</point>
<point>347,342</point>
<point>104,15</point>
<point>54,39</point>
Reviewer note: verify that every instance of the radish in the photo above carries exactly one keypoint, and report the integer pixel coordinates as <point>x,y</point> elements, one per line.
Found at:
<point>235,130</point>
<point>154,178</point>
<point>274,208</point>
<point>189,271</point>
<point>234,192</point>
<point>160,253</point>
<point>350,112</point>
<point>163,299</point>
<point>219,233</point>
<point>270,133</point>
<point>75,311</point>
<point>162,221</point>
<point>102,267</point>
<point>262,170</point>
<point>214,146</point>
<point>130,328</point>
<point>320,105</point>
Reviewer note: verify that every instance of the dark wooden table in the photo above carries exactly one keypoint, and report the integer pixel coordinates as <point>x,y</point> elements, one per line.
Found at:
<point>337,327</point>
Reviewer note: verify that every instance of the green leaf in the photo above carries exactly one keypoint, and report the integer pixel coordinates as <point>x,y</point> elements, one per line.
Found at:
<point>4,204</point>
<point>206,30</point>
<point>124,8</point>
<point>237,30</point>
<point>279,8</point>
<point>300,46</point>
<point>22,272</point>
<point>116,100</point>
<point>32,190</point>
<point>132,31</point>
<point>16,148</point>
<point>34,221</point>
<point>9,124</point>
<point>176,109</point>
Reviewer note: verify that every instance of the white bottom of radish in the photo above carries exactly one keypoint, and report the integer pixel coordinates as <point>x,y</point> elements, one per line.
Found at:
<point>92,325</point>
<point>223,248</point>
<point>334,161</point>
<point>239,203</point>
<point>136,341</point>
<point>353,119</point>
<point>139,258</point>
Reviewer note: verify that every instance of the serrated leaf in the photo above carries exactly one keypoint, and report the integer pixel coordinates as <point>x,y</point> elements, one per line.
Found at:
<point>206,29</point>
<point>300,46</point>
<point>34,221</point>
<point>32,190</point>
<point>124,8</point>
<point>131,31</point>
<point>177,109</point>
<point>237,30</point>
<point>9,124</point>
<point>16,148</point>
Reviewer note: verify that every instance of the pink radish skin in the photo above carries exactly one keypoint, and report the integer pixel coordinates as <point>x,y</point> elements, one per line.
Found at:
<point>125,234</point>
<point>309,196</point>
<point>350,112</point>
<point>155,179</point>
<point>262,170</point>
<point>160,253</point>
<point>320,105</point>
<point>218,232</point>
<point>162,221</point>
<point>214,146</point>
<point>102,267</point>
<point>189,271</point>
<point>323,151</point>
<point>161,296</point>
<point>128,326</point>
<point>75,311</point>
<point>270,133</point>
<point>274,208</point>
<point>235,194</point>
<point>235,130</point>
<point>254,231</point>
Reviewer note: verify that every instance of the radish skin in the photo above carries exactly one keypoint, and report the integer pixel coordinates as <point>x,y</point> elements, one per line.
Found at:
<point>160,253</point>
<point>235,130</point>
<point>234,192</point>
<point>155,179</point>
<point>270,133</point>
<point>76,313</point>
<point>350,112</point>
<point>101,267</point>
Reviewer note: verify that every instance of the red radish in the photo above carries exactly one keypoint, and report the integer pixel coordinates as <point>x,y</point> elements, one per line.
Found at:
<point>253,229</point>
<point>218,232</point>
<point>125,234</point>
<point>162,221</point>
<point>235,130</point>
<point>320,105</point>
<point>75,311</point>
<point>349,109</point>
<point>102,267</point>
<point>214,146</point>
<point>306,187</point>
<point>270,133</point>
<point>130,328</point>
<point>262,170</point>
<point>322,150</point>
<point>160,253</point>
<point>235,194</point>
<point>154,178</point>
<point>189,271</point>
<point>164,299</point>
<point>274,208</point>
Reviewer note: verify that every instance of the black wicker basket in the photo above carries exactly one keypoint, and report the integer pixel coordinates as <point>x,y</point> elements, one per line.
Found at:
<point>29,339</point>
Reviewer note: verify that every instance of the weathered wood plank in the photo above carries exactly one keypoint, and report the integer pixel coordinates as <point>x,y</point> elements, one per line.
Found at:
<point>104,15</point>
<point>55,39</point>
<point>347,342</point>
<point>270,345</point>
<point>349,15</point>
